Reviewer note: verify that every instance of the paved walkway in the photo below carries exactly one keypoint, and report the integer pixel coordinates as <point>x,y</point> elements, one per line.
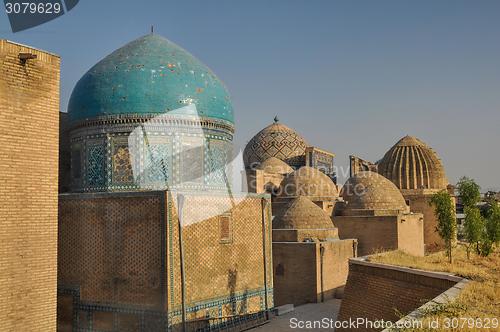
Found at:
<point>303,314</point>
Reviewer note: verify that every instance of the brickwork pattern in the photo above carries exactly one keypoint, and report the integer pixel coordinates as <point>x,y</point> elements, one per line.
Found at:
<point>356,186</point>
<point>301,213</point>
<point>309,182</point>
<point>121,252</point>
<point>297,270</point>
<point>420,204</point>
<point>110,247</point>
<point>277,141</point>
<point>29,139</point>
<point>373,293</point>
<point>320,160</point>
<point>374,233</point>
<point>411,164</point>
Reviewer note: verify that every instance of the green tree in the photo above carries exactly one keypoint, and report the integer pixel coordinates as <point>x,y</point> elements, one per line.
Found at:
<point>468,191</point>
<point>482,228</point>
<point>445,214</point>
<point>492,226</point>
<point>474,227</point>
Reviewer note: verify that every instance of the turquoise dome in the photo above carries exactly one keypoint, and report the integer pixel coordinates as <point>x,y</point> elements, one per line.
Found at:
<point>147,77</point>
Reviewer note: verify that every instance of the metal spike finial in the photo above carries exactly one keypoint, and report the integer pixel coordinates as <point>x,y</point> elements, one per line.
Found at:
<point>276,119</point>
<point>151,29</point>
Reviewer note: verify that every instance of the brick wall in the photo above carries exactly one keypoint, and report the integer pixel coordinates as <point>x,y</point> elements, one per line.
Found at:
<point>29,138</point>
<point>374,233</point>
<point>373,291</point>
<point>420,204</point>
<point>383,233</point>
<point>297,270</point>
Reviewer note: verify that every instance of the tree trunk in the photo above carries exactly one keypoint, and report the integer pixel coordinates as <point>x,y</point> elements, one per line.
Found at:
<point>449,247</point>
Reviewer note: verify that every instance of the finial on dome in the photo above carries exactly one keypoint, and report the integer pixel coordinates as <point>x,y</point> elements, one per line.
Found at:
<point>276,119</point>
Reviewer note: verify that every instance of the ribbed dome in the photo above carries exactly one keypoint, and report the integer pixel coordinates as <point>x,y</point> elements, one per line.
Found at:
<point>376,197</point>
<point>309,182</point>
<point>356,185</point>
<point>301,213</point>
<point>276,166</point>
<point>147,77</point>
<point>277,141</point>
<point>411,164</point>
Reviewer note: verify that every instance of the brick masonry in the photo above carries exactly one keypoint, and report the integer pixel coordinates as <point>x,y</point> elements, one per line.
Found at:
<point>383,233</point>
<point>29,138</point>
<point>119,258</point>
<point>298,269</point>
<point>373,291</point>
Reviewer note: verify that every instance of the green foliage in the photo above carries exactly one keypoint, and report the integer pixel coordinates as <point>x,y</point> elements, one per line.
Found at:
<point>445,214</point>
<point>492,229</point>
<point>482,228</point>
<point>468,191</point>
<point>474,227</point>
<point>493,223</point>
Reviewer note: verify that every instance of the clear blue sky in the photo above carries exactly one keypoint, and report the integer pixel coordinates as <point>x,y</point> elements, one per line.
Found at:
<point>351,77</point>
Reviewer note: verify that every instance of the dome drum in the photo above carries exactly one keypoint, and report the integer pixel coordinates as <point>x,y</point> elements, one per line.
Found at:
<point>124,158</point>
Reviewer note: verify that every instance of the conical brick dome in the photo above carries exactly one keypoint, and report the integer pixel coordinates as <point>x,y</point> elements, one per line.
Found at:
<point>411,164</point>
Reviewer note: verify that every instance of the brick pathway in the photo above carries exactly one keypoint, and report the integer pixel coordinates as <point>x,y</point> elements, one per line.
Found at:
<point>307,312</point>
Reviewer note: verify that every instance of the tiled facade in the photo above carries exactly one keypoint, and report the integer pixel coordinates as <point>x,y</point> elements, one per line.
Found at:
<point>321,160</point>
<point>165,155</point>
<point>119,259</point>
<point>29,137</point>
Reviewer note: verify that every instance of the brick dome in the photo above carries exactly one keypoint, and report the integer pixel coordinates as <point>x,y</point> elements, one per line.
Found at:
<point>276,166</point>
<point>411,164</point>
<point>356,185</point>
<point>301,213</point>
<point>277,141</point>
<point>309,182</point>
<point>375,197</point>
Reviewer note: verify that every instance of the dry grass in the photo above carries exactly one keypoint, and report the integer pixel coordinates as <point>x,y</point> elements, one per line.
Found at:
<point>481,296</point>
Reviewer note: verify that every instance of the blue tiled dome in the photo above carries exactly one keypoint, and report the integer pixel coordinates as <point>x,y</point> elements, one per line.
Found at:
<point>149,75</point>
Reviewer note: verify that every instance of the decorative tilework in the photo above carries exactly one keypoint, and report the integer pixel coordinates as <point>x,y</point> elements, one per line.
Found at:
<point>158,159</point>
<point>277,141</point>
<point>217,162</point>
<point>129,263</point>
<point>192,153</point>
<point>138,159</point>
<point>95,172</point>
<point>122,172</point>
